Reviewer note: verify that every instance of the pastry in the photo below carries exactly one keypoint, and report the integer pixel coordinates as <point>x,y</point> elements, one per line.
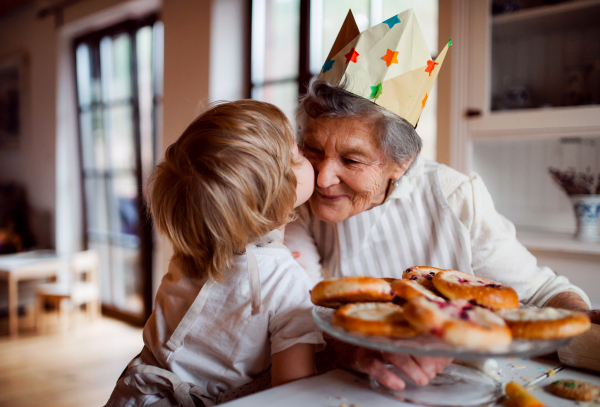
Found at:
<point>408,289</point>
<point>545,323</point>
<point>336,292</point>
<point>575,390</point>
<point>421,275</point>
<point>457,285</point>
<point>374,318</point>
<point>458,323</point>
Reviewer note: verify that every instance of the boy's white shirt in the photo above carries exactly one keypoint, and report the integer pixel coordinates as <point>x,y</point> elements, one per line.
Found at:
<point>227,346</point>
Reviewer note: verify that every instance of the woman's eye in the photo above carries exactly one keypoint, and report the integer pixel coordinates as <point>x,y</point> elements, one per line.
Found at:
<point>350,162</point>
<point>310,150</point>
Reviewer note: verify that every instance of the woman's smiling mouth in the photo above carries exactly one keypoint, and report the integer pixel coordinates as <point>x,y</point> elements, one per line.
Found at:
<point>330,198</point>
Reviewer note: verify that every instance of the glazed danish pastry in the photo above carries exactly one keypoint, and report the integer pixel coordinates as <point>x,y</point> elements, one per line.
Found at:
<point>374,318</point>
<point>339,291</point>
<point>545,323</point>
<point>457,285</point>
<point>421,275</point>
<point>459,323</point>
<point>409,289</point>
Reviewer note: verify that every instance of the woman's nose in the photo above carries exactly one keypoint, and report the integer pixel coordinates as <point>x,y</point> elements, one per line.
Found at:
<point>326,174</point>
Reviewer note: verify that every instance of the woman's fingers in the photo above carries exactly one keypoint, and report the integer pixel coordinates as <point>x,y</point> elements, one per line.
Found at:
<point>441,364</point>
<point>428,364</point>
<point>594,316</point>
<point>296,254</point>
<point>371,363</point>
<point>420,369</point>
<point>409,366</point>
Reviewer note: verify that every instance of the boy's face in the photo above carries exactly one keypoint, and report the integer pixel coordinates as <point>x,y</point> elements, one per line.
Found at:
<point>305,176</point>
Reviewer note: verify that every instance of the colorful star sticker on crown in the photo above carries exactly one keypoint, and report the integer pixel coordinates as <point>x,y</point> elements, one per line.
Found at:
<point>392,21</point>
<point>390,57</point>
<point>424,101</point>
<point>351,56</point>
<point>376,91</point>
<point>430,66</point>
<point>327,65</point>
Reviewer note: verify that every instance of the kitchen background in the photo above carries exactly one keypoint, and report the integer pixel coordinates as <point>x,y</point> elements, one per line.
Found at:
<point>93,91</point>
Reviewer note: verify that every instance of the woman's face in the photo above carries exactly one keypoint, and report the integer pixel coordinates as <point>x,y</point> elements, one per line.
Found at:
<point>305,177</point>
<point>352,174</point>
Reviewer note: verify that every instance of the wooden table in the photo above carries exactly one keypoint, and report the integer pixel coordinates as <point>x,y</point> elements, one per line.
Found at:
<point>340,386</point>
<point>25,266</point>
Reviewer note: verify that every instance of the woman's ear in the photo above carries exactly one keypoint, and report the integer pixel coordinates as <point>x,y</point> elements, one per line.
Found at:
<point>399,170</point>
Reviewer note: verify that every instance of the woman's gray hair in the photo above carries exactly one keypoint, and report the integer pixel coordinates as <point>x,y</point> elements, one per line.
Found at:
<point>397,137</point>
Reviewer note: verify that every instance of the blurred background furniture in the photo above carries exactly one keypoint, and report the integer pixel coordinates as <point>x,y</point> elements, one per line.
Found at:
<point>524,96</point>
<point>78,288</point>
<point>23,268</point>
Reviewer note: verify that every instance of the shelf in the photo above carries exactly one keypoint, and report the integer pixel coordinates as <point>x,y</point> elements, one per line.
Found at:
<point>556,242</point>
<point>546,18</point>
<point>542,123</point>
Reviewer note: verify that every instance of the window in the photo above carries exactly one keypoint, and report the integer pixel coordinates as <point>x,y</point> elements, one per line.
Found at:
<point>119,88</point>
<point>292,38</point>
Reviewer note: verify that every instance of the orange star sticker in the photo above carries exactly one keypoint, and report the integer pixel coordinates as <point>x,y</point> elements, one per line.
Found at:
<point>423,101</point>
<point>390,57</point>
<point>430,66</point>
<point>351,56</point>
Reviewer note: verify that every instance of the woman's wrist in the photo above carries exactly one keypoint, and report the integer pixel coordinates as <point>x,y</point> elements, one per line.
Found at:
<point>568,300</point>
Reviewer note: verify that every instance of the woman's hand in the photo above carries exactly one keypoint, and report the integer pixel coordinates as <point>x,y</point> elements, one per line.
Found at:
<point>420,369</point>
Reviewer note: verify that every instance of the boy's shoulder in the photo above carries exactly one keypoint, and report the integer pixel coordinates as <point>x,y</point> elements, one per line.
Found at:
<point>279,264</point>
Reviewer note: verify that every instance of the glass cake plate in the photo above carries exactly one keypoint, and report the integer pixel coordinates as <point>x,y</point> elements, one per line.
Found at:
<point>457,385</point>
<point>431,346</point>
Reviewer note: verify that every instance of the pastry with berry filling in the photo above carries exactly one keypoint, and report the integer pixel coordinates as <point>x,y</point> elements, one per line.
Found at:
<point>457,285</point>
<point>374,318</point>
<point>459,323</point>
<point>545,323</point>
<point>421,275</point>
<point>408,289</point>
<point>336,292</point>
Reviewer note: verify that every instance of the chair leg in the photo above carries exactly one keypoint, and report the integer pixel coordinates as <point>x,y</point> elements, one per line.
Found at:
<point>63,313</point>
<point>94,309</point>
<point>39,309</point>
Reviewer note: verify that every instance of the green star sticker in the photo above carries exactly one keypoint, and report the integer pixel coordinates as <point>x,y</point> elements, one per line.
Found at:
<point>376,91</point>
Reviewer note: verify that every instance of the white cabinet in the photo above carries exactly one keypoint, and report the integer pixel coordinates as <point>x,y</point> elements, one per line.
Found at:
<point>524,95</point>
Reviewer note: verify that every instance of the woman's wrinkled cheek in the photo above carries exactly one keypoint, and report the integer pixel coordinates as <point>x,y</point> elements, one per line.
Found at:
<point>371,182</point>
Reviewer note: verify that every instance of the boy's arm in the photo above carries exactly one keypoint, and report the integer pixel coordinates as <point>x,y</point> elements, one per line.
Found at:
<point>293,363</point>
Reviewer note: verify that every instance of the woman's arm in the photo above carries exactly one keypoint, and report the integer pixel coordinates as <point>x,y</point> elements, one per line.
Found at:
<point>498,255</point>
<point>293,363</point>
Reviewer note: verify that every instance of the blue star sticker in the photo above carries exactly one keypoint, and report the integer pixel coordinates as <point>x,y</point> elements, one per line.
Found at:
<point>392,21</point>
<point>327,65</point>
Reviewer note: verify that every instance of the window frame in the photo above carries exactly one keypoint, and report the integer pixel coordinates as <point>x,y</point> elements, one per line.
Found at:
<point>145,226</point>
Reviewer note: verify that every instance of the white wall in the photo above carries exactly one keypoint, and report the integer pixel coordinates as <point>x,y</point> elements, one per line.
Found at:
<point>229,25</point>
<point>32,162</point>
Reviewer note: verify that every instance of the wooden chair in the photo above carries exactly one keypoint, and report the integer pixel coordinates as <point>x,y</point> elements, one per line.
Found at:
<point>67,297</point>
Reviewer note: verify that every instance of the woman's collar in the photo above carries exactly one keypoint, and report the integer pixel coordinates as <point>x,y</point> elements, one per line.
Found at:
<point>407,182</point>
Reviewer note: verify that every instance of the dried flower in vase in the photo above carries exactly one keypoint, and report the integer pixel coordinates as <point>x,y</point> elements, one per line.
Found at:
<point>576,183</point>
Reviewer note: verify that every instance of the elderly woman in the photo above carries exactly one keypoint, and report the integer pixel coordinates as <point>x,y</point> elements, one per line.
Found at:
<point>378,208</point>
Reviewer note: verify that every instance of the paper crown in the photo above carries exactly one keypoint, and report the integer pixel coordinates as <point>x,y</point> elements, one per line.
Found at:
<point>388,64</point>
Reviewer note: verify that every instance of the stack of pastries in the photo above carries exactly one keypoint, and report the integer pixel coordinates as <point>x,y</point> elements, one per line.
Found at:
<point>460,308</point>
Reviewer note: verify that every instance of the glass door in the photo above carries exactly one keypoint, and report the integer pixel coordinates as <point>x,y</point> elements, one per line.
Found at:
<point>119,83</point>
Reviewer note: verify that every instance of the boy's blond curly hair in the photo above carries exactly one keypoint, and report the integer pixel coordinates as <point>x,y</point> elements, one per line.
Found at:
<point>227,181</point>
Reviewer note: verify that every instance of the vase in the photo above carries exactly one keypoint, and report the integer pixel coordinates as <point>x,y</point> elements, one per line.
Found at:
<point>587,209</point>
